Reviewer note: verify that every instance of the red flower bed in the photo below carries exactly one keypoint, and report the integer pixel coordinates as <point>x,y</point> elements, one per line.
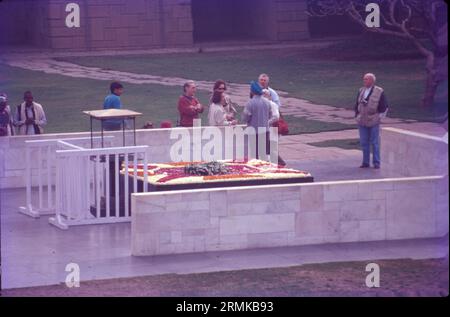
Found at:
<point>238,169</point>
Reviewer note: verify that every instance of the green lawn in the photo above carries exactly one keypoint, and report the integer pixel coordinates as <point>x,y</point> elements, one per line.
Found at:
<point>329,76</point>
<point>316,75</point>
<point>64,98</point>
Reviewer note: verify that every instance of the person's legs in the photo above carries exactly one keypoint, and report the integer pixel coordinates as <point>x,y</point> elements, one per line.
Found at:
<point>364,134</point>
<point>280,160</point>
<point>375,141</point>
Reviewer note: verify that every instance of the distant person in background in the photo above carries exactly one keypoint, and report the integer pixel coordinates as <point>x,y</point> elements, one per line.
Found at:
<point>263,81</point>
<point>112,101</point>
<point>30,116</point>
<point>6,122</point>
<point>188,106</point>
<point>166,125</point>
<point>221,87</point>
<point>148,125</point>
<point>371,105</point>
<point>217,115</point>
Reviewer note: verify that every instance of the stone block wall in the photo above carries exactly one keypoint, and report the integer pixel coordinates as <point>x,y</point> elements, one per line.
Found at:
<point>139,24</point>
<point>288,215</point>
<point>121,24</point>
<point>291,22</point>
<point>24,22</point>
<point>409,153</point>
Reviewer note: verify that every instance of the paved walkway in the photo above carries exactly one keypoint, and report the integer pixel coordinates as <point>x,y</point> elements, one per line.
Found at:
<point>299,148</point>
<point>34,253</point>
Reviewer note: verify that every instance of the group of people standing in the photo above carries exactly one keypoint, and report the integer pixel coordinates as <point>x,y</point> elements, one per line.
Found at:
<point>261,111</point>
<point>28,119</point>
<point>222,111</point>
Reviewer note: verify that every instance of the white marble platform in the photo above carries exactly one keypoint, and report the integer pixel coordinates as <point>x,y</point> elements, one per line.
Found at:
<point>289,215</point>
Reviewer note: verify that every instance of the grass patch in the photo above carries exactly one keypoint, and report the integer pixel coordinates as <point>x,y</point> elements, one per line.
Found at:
<point>327,76</point>
<point>64,98</point>
<point>346,144</point>
<point>402,277</point>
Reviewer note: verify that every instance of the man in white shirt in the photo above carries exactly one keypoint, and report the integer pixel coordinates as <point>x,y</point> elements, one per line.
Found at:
<point>263,81</point>
<point>30,116</point>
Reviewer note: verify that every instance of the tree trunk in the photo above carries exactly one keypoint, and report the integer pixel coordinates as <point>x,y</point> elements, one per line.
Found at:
<point>432,83</point>
<point>430,91</point>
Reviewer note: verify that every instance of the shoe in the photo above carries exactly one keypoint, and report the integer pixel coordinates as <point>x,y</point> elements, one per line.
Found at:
<point>377,167</point>
<point>281,162</point>
<point>364,166</point>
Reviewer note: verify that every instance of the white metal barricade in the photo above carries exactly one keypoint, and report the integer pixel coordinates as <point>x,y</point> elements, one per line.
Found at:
<point>40,158</point>
<point>89,187</point>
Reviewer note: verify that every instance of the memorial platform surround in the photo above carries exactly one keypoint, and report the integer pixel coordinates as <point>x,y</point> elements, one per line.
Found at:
<point>414,204</point>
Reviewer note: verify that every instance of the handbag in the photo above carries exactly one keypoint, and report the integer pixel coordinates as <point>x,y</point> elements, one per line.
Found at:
<point>282,125</point>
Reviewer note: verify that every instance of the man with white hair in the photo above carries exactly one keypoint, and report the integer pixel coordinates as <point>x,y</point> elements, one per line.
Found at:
<point>371,105</point>
<point>263,81</point>
<point>188,106</point>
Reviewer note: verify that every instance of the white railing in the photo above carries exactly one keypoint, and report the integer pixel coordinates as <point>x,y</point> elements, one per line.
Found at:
<point>40,156</point>
<point>89,187</point>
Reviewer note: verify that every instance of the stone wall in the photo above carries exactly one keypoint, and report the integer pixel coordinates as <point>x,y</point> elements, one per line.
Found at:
<point>291,22</point>
<point>105,24</point>
<point>121,24</point>
<point>272,20</point>
<point>24,22</point>
<point>138,24</point>
<point>409,153</point>
<point>299,214</point>
<point>288,215</point>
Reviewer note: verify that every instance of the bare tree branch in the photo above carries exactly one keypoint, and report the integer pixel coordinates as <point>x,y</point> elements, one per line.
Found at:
<point>399,18</point>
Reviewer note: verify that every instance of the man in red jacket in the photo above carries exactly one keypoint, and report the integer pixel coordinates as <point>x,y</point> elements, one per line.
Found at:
<point>188,106</point>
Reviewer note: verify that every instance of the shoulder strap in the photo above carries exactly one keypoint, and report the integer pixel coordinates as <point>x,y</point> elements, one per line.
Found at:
<point>35,126</point>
